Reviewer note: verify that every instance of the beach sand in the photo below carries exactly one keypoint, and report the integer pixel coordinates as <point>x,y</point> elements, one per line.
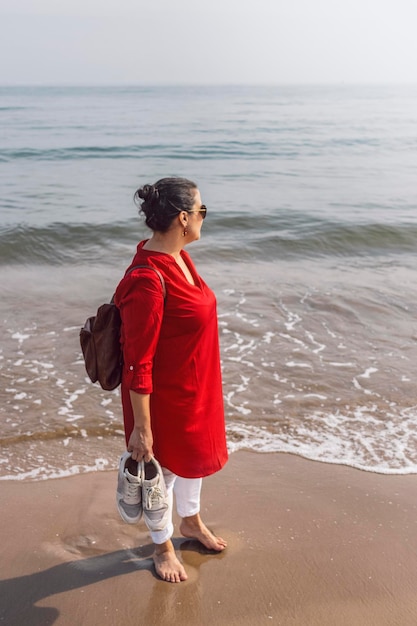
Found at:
<point>308,544</point>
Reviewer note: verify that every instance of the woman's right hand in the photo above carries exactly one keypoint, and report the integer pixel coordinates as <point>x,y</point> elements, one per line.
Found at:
<point>141,441</point>
<point>140,444</point>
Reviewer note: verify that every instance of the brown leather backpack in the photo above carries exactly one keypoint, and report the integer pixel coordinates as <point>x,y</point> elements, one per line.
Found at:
<point>100,342</point>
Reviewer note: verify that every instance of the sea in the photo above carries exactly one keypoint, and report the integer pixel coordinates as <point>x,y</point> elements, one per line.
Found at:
<point>309,244</point>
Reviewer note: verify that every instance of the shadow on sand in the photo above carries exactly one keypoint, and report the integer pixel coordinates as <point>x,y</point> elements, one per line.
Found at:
<point>18,596</point>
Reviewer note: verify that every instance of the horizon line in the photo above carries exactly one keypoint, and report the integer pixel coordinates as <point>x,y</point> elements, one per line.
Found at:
<point>215,84</point>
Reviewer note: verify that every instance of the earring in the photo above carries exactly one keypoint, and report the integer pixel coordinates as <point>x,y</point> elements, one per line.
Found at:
<point>184,232</point>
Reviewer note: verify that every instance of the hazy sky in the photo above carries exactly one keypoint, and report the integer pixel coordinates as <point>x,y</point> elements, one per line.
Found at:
<point>214,42</point>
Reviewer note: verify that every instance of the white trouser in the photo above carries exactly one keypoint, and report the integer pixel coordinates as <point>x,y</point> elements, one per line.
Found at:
<point>187,498</point>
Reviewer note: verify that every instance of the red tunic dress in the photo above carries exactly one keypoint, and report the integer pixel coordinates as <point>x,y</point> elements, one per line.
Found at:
<point>171,351</point>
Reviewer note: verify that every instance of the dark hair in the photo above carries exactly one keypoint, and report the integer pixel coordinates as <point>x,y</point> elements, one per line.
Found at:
<point>163,200</point>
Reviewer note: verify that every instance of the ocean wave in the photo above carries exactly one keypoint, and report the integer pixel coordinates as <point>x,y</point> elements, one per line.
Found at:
<point>342,240</point>
<point>357,440</point>
<point>7,109</point>
<point>274,143</point>
<point>223,150</point>
<point>269,237</point>
<point>326,438</point>
<point>49,471</point>
<point>60,243</point>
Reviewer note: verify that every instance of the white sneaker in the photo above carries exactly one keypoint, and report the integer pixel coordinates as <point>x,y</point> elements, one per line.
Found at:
<point>154,497</point>
<point>129,489</point>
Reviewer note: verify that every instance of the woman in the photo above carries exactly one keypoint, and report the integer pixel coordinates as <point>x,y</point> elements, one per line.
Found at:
<point>171,385</point>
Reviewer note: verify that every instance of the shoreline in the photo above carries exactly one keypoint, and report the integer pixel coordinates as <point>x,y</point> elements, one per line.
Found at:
<point>309,543</point>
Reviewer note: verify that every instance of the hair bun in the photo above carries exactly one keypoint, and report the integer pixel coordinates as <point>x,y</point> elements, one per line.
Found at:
<point>149,193</point>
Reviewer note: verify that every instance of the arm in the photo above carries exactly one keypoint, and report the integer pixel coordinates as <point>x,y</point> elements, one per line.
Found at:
<point>141,440</point>
<point>140,300</point>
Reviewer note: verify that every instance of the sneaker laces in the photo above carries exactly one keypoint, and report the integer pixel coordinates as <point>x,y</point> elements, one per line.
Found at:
<point>154,496</point>
<point>130,492</point>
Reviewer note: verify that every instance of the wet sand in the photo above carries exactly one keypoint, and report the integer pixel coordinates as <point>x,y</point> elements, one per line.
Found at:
<point>310,544</point>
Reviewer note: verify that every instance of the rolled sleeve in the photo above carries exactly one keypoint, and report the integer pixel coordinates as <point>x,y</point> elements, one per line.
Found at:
<point>138,377</point>
<point>140,301</point>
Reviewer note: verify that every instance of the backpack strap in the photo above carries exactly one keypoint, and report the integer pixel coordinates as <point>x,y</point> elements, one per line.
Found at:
<point>161,278</point>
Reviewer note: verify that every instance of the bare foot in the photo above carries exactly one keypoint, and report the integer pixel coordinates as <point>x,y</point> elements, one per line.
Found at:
<point>167,565</point>
<point>194,528</point>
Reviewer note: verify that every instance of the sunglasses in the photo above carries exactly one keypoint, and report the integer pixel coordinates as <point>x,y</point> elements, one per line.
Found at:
<point>202,210</point>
